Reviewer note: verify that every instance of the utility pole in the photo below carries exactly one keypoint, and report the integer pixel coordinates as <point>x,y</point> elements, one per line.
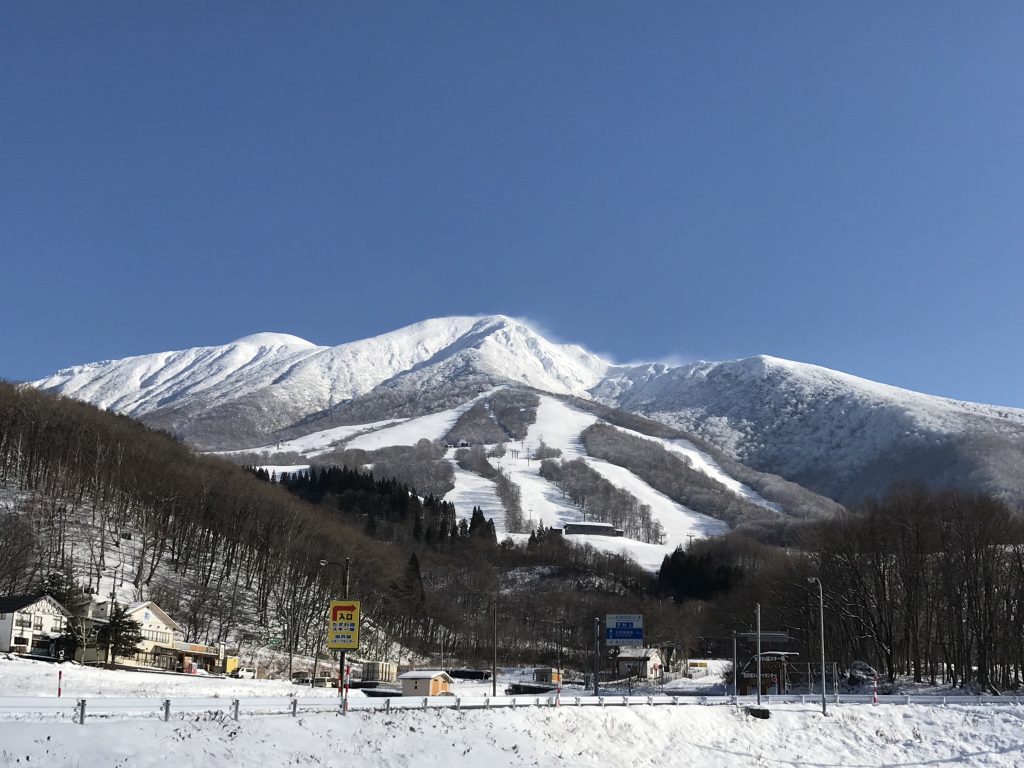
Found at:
<point>597,655</point>
<point>558,691</point>
<point>821,614</point>
<point>757,616</point>
<point>342,681</point>
<point>735,687</point>
<point>494,659</point>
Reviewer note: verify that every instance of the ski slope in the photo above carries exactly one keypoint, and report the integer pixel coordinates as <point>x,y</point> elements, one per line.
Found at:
<point>431,427</point>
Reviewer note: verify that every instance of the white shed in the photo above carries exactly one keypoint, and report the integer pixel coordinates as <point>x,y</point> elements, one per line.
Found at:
<point>644,663</point>
<point>425,682</point>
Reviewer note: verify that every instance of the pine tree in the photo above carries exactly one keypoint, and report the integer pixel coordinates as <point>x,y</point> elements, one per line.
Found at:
<point>121,634</point>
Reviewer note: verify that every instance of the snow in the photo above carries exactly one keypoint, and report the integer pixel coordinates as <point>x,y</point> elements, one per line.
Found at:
<point>647,556</point>
<point>559,426</point>
<point>796,736</point>
<point>702,462</point>
<point>316,443</point>
<point>431,427</point>
<point>678,521</point>
<point>27,677</point>
<point>470,491</point>
<point>301,378</point>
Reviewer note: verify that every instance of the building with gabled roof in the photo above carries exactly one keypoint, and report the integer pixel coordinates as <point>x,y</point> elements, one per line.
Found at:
<point>425,682</point>
<point>644,663</point>
<point>29,624</point>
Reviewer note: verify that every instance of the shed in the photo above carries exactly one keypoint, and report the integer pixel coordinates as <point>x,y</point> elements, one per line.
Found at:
<point>425,682</point>
<point>644,663</point>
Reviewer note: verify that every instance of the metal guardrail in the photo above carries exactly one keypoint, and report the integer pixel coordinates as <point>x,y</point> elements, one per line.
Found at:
<point>82,710</point>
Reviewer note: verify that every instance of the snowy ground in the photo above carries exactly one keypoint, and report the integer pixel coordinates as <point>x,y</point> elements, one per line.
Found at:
<point>796,736</point>
<point>27,677</point>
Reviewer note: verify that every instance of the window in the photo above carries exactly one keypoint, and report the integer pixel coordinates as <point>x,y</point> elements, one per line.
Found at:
<point>155,636</point>
<point>22,621</point>
<point>2,615</point>
<point>37,623</point>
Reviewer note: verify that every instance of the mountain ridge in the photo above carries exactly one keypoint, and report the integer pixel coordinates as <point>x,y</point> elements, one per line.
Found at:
<point>828,430</point>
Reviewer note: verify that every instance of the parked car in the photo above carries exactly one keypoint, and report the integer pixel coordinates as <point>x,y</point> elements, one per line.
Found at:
<point>244,673</point>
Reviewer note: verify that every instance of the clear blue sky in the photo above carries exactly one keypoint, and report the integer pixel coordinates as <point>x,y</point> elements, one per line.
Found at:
<point>837,183</point>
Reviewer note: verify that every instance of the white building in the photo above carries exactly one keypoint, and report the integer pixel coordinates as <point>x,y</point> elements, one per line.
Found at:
<point>161,636</point>
<point>425,682</point>
<point>644,663</point>
<point>29,622</point>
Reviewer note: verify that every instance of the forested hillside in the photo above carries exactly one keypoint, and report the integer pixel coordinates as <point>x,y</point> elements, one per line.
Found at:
<point>922,584</point>
<point>102,498</point>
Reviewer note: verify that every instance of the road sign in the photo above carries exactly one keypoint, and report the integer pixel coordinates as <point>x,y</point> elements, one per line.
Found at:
<point>274,642</point>
<point>343,626</point>
<point>624,629</point>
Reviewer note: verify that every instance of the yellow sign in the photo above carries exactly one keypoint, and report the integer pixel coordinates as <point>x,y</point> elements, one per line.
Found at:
<point>343,627</point>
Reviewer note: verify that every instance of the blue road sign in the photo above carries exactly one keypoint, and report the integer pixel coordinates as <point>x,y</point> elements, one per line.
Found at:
<point>624,629</point>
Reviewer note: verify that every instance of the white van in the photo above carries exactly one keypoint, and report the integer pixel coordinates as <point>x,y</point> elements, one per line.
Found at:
<point>245,673</point>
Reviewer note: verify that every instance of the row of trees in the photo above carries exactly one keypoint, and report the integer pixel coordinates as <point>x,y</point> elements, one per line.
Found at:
<point>672,474</point>
<point>922,584</point>
<point>601,500</point>
<point>476,459</point>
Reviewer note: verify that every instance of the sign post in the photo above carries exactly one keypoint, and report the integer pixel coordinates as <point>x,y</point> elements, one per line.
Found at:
<point>624,629</point>
<point>343,635</point>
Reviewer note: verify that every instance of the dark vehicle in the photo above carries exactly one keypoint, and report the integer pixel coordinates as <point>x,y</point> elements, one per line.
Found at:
<point>381,692</point>
<point>522,689</point>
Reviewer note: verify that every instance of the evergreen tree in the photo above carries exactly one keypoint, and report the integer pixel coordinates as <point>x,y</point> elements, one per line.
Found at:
<point>412,582</point>
<point>121,634</point>
<point>477,523</point>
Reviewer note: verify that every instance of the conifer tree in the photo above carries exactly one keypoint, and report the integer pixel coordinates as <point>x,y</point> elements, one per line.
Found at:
<point>121,634</point>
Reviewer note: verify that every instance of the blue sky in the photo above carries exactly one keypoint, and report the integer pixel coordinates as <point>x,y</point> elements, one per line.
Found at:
<point>837,183</point>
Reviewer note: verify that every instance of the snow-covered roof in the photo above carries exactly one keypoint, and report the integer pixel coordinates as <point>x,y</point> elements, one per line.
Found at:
<point>12,603</point>
<point>160,612</point>
<point>425,674</point>
<point>632,652</point>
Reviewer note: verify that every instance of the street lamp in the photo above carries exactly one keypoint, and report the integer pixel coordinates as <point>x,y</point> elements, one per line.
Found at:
<point>821,614</point>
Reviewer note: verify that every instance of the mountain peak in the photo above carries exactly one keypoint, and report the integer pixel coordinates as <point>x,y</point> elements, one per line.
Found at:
<point>267,339</point>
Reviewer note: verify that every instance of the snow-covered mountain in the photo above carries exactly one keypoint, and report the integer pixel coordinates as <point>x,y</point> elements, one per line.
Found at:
<point>838,434</point>
<point>834,433</point>
<point>241,393</point>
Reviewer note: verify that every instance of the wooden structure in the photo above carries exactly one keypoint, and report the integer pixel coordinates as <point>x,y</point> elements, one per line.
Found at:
<point>425,682</point>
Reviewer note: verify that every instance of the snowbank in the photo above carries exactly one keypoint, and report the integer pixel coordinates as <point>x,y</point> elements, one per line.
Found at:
<point>796,736</point>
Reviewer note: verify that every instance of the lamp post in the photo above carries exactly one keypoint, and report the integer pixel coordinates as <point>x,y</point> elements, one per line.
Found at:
<point>494,659</point>
<point>821,615</point>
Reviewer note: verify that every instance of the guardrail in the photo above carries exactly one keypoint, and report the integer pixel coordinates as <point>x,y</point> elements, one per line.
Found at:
<point>82,710</point>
